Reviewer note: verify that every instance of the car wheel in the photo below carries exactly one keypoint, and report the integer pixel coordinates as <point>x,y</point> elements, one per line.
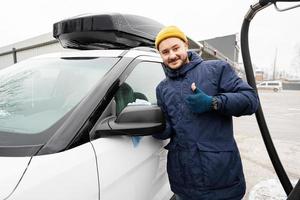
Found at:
<point>275,89</point>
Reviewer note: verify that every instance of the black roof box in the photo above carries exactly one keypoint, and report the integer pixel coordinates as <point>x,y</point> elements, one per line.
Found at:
<point>107,31</point>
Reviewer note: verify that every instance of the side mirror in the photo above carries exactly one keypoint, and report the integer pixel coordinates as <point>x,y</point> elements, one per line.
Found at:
<point>134,120</point>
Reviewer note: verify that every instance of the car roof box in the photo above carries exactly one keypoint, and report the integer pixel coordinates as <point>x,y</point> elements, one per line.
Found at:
<point>108,31</point>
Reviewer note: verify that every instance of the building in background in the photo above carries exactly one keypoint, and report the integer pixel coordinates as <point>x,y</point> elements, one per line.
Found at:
<point>35,46</point>
<point>259,75</point>
<point>227,46</point>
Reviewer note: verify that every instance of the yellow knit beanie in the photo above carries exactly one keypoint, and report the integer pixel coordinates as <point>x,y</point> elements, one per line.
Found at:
<point>167,32</point>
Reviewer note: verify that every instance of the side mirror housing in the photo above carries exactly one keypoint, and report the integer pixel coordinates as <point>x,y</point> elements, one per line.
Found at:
<point>134,120</point>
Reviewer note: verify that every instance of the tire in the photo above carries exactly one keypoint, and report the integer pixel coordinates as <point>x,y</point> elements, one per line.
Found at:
<point>275,89</point>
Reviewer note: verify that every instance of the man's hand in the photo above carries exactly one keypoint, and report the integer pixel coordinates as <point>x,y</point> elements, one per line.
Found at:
<point>199,102</point>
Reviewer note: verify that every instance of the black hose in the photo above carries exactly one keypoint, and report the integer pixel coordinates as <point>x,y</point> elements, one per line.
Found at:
<point>265,2</point>
<point>259,113</point>
<point>295,194</point>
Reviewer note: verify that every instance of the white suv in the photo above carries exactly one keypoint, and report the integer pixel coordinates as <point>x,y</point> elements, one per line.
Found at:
<point>77,125</point>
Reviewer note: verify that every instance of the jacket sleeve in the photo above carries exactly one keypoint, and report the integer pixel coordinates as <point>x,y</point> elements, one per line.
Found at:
<point>235,96</point>
<point>168,132</point>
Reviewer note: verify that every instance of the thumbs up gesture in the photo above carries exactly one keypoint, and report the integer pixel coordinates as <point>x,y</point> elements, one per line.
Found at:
<point>199,102</point>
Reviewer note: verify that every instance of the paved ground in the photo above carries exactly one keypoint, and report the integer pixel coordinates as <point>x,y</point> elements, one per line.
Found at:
<point>282,113</point>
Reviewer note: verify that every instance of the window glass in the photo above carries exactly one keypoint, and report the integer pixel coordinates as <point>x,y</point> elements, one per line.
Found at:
<point>140,86</point>
<point>273,84</point>
<point>37,93</point>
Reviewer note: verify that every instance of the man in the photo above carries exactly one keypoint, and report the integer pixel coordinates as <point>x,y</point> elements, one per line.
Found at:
<point>199,99</point>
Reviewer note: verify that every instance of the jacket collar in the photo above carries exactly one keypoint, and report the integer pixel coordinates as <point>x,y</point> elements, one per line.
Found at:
<point>194,60</point>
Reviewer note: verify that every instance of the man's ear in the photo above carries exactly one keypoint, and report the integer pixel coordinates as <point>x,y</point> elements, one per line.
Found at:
<point>186,45</point>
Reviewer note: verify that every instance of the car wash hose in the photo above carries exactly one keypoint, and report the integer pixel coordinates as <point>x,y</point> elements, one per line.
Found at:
<point>293,194</point>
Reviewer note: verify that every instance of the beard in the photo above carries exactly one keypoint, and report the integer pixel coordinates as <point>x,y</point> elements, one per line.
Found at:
<point>178,62</point>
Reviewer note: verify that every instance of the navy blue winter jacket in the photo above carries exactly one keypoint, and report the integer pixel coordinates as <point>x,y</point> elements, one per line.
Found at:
<point>203,158</point>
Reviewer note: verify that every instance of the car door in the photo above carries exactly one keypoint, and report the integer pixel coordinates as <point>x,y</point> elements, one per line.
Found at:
<point>133,167</point>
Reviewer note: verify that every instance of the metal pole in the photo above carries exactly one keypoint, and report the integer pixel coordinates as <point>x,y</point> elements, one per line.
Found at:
<point>14,52</point>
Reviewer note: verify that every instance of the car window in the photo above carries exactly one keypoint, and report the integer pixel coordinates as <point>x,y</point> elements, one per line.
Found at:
<point>140,86</point>
<point>35,94</point>
<point>273,84</point>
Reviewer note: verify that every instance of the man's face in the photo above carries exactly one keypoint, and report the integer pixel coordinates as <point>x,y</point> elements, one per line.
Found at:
<point>173,52</point>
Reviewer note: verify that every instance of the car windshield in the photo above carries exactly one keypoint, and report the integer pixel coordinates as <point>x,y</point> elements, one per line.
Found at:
<point>35,94</point>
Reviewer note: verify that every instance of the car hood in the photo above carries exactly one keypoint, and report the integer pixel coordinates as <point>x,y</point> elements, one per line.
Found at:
<point>11,171</point>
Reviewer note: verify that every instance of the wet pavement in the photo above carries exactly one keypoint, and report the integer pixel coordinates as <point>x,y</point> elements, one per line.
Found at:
<point>282,114</point>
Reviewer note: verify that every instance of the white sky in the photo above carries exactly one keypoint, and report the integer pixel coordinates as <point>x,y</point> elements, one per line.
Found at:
<point>200,19</point>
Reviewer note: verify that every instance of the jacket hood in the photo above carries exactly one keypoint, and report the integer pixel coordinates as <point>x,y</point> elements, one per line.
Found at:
<point>194,60</point>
